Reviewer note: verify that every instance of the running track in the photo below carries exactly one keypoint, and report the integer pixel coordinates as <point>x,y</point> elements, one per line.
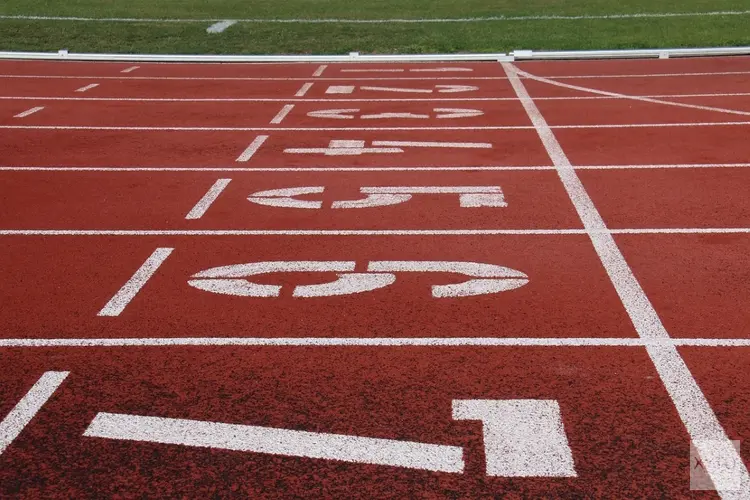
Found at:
<point>431,280</point>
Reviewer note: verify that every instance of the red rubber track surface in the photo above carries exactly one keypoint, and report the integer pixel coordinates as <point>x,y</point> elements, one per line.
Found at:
<point>99,178</point>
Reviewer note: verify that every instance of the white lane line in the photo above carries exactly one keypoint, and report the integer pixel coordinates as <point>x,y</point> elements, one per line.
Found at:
<point>478,19</point>
<point>220,27</point>
<point>28,112</point>
<point>130,289</point>
<point>252,148</point>
<point>467,168</point>
<point>204,203</point>
<point>282,113</point>
<point>20,416</point>
<point>320,70</point>
<point>633,97</point>
<point>129,70</point>
<point>372,342</point>
<point>87,87</point>
<point>251,78</point>
<point>303,90</point>
<point>293,443</point>
<point>366,129</point>
<point>721,460</point>
<point>427,144</point>
<point>652,75</point>
<point>340,99</point>
<point>362,232</point>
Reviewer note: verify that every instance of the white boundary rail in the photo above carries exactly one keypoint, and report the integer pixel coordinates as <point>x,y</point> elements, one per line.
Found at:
<point>518,55</point>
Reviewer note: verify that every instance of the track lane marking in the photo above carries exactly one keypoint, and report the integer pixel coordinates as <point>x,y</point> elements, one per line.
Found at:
<point>252,149</point>
<point>130,69</point>
<point>721,460</point>
<point>25,410</point>
<point>28,112</point>
<point>303,89</point>
<point>130,289</point>
<point>320,70</point>
<point>87,87</point>
<point>285,110</point>
<point>373,342</point>
<point>207,200</point>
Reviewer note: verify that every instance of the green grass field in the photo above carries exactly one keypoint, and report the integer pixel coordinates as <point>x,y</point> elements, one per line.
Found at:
<point>339,38</point>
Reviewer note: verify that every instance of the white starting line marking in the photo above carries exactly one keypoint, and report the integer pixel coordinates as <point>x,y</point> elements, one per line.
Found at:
<point>87,87</point>
<point>371,342</point>
<point>721,460</point>
<point>522,438</point>
<point>320,70</point>
<point>220,27</point>
<point>441,89</point>
<point>19,417</point>
<point>28,112</point>
<point>130,69</point>
<point>130,289</point>
<point>303,90</point>
<point>252,148</point>
<point>282,113</point>
<point>211,195</point>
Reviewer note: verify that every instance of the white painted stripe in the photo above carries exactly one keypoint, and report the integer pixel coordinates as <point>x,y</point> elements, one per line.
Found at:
<point>380,70</point>
<point>427,144</point>
<point>21,414</point>
<point>342,99</point>
<point>282,113</point>
<point>366,129</point>
<point>87,87</point>
<point>28,112</point>
<point>320,70</point>
<point>275,441</point>
<point>651,75</point>
<point>549,17</point>
<point>252,148</point>
<point>220,27</point>
<point>129,70</point>
<point>692,406</point>
<point>303,90</point>
<point>204,203</point>
<point>467,168</point>
<point>130,289</point>
<point>522,437</point>
<point>371,342</point>
<point>361,232</point>
<point>249,78</point>
<point>633,97</point>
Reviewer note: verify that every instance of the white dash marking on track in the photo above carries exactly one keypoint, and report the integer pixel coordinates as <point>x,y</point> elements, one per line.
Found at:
<point>20,416</point>
<point>721,460</point>
<point>220,27</point>
<point>130,289</point>
<point>204,203</point>
<point>130,69</point>
<point>320,70</point>
<point>286,442</point>
<point>252,148</point>
<point>28,112</point>
<point>303,89</point>
<point>87,87</point>
<point>282,114</point>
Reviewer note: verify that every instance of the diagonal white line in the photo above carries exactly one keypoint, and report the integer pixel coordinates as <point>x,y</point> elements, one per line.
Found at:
<point>285,110</point>
<point>204,203</point>
<point>20,416</point>
<point>721,460</point>
<point>130,289</point>
<point>252,148</point>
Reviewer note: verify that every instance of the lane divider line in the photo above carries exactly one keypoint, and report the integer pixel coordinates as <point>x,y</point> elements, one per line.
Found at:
<point>87,87</point>
<point>282,114</point>
<point>720,458</point>
<point>372,342</point>
<point>320,70</point>
<point>129,70</point>
<point>28,112</point>
<point>303,90</point>
<point>25,410</point>
<point>130,289</point>
<point>252,148</point>
<point>204,203</point>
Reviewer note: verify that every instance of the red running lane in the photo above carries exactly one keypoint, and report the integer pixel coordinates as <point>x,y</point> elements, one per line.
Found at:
<point>61,283</point>
<point>637,66</point>
<point>128,148</point>
<point>161,200</point>
<point>697,283</point>
<point>624,434</point>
